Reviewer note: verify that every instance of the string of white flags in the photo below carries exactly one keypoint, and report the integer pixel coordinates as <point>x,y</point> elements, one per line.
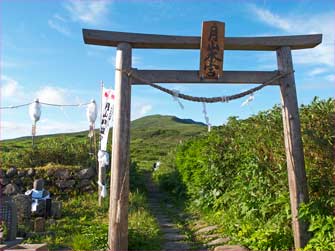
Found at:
<point>106,116</point>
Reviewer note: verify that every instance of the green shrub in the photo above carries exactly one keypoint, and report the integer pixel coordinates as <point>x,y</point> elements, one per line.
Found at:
<point>238,174</point>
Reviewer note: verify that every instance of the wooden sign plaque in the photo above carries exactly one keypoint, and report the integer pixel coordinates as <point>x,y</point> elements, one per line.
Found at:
<point>211,50</point>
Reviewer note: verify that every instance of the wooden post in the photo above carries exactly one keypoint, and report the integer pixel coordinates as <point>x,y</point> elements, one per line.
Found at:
<point>293,146</point>
<point>118,210</point>
<point>100,181</point>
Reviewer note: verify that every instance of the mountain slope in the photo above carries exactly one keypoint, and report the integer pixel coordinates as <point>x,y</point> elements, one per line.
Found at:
<point>151,138</point>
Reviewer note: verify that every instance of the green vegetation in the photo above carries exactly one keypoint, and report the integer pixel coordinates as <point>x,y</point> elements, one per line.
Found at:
<point>152,137</point>
<point>236,177</point>
<point>84,225</point>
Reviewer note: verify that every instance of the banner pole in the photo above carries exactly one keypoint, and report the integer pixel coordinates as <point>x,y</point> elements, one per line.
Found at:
<point>99,166</point>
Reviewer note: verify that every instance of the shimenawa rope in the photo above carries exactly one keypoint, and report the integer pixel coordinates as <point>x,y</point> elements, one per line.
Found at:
<point>173,93</point>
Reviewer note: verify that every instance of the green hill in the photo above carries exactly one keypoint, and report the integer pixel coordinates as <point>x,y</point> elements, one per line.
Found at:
<point>151,138</point>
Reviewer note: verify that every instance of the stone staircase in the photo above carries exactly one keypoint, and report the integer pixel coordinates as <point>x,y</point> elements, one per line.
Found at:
<point>203,237</point>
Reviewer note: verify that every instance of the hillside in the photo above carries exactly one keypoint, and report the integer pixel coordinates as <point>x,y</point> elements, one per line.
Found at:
<point>151,138</point>
<point>155,136</point>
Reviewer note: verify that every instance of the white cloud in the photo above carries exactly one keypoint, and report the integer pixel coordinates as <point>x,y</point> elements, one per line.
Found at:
<point>60,18</point>
<point>51,94</point>
<point>300,24</point>
<point>57,23</point>
<point>59,27</point>
<point>52,126</point>
<point>317,71</point>
<point>11,129</point>
<point>330,78</point>
<point>9,64</point>
<point>140,109</point>
<point>10,88</point>
<point>271,18</point>
<point>88,12</point>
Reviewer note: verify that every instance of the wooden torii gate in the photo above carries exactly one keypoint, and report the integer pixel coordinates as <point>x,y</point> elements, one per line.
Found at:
<point>119,187</point>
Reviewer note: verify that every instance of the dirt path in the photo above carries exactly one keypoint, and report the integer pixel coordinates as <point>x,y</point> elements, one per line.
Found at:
<point>173,239</point>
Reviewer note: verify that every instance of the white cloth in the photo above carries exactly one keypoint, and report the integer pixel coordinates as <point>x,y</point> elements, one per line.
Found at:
<point>35,111</point>
<point>103,192</point>
<point>176,98</point>
<point>103,158</point>
<point>36,195</point>
<point>92,112</point>
<point>249,99</point>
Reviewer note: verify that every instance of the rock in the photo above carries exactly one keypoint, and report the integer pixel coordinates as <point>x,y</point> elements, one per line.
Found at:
<point>174,237</point>
<point>84,183</point>
<point>39,225</point>
<point>231,248</point>
<point>199,224</point>
<point>18,182</point>
<point>11,189</point>
<point>9,216</point>
<point>86,173</point>
<point>180,245</point>
<point>65,183</point>
<point>11,172</point>
<point>2,173</point>
<point>31,172</point>
<point>170,230</point>
<point>206,229</point>
<point>38,184</point>
<point>4,181</point>
<point>163,225</point>
<point>31,247</point>
<point>23,206</point>
<point>21,173</point>
<point>218,241</point>
<point>56,209</point>
<point>40,209</point>
<point>210,236</point>
<point>62,174</point>
<point>50,222</point>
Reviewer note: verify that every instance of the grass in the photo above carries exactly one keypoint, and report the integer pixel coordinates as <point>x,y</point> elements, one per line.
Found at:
<point>84,225</point>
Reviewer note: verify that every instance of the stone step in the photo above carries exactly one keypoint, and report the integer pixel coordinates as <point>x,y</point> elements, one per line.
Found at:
<point>174,237</point>
<point>218,241</point>
<point>210,236</point>
<point>177,246</point>
<point>206,229</point>
<point>230,248</point>
<point>198,225</point>
<point>162,222</point>
<point>168,224</point>
<point>170,230</point>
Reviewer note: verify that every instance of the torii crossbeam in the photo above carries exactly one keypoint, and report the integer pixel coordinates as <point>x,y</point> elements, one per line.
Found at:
<point>119,189</point>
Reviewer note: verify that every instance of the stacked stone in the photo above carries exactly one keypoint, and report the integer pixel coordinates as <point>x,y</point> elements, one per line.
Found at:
<point>8,215</point>
<point>58,180</point>
<point>23,205</point>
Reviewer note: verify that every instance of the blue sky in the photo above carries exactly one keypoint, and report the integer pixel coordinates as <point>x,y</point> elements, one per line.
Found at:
<point>43,55</point>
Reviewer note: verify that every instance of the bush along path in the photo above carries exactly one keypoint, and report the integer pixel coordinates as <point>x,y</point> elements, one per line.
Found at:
<point>181,231</point>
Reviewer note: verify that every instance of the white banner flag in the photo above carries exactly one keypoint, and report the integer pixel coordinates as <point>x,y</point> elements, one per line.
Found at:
<point>108,97</point>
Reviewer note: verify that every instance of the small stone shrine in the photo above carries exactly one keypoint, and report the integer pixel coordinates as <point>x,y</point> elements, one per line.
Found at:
<point>23,205</point>
<point>41,201</point>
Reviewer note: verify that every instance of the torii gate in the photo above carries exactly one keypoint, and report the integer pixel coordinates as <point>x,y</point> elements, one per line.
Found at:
<point>119,187</point>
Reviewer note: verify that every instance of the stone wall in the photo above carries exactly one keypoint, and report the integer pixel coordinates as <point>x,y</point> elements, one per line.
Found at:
<point>59,181</point>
